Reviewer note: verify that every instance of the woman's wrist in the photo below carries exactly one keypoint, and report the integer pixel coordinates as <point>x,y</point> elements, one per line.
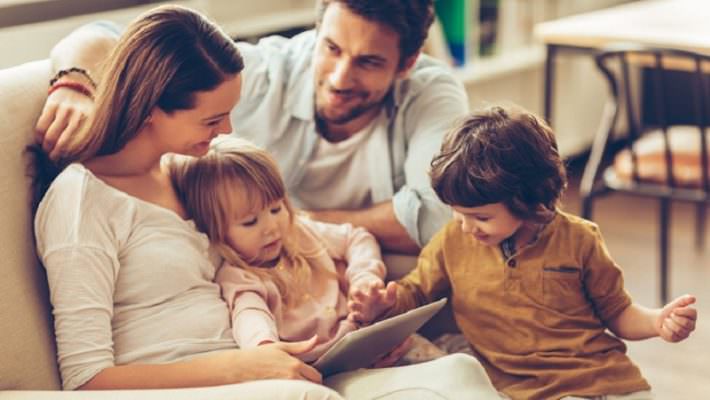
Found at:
<point>74,74</point>
<point>71,85</point>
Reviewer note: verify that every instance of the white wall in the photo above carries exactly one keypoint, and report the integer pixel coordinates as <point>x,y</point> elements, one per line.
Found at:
<point>30,42</point>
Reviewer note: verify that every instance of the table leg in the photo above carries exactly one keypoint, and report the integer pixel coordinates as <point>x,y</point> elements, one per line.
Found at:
<point>549,81</point>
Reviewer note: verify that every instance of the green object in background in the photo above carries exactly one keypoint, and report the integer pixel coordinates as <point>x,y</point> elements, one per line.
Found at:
<point>456,19</point>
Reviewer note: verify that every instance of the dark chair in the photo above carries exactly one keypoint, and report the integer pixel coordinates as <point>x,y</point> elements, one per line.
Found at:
<point>656,156</point>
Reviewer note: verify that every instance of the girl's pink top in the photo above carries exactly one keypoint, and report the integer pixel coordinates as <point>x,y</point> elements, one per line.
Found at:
<point>340,257</point>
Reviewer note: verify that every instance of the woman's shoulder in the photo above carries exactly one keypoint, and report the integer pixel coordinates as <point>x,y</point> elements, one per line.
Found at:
<point>75,185</point>
<point>76,206</point>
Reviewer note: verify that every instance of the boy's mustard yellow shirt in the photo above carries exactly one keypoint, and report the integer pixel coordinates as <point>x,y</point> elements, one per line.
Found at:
<point>536,320</point>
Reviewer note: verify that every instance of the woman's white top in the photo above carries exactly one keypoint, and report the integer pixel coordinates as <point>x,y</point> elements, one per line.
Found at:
<point>130,281</point>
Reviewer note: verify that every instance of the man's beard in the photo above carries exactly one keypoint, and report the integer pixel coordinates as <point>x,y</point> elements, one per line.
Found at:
<point>322,121</point>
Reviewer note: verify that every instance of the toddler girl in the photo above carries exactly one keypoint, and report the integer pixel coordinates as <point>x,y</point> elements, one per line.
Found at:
<point>284,276</point>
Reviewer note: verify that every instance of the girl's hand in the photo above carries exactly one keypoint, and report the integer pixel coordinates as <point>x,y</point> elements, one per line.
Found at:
<point>370,301</point>
<point>274,361</point>
<point>677,319</point>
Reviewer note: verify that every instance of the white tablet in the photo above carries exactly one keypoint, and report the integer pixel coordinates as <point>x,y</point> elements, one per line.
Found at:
<point>360,348</point>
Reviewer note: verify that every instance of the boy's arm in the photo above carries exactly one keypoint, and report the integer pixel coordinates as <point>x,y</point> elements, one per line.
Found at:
<point>426,283</point>
<point>429,280</point>
<point>673,323</point>
<point>66,109</point>
<point>604,284</point>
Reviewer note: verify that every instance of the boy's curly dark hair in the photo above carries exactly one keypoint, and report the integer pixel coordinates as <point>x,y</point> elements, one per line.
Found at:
<point>500,155</point>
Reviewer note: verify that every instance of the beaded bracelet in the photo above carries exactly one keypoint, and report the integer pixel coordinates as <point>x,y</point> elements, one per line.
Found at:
<point>76,86</point>
<point>63,72</point>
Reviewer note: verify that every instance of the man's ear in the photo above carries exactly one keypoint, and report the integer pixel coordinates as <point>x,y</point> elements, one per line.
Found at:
<point>408,65</point>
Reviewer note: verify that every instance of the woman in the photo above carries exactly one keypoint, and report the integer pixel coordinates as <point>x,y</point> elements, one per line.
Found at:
<point>131,279</point>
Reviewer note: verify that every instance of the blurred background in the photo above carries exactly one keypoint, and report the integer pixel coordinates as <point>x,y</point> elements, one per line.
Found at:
<point>495,51</point>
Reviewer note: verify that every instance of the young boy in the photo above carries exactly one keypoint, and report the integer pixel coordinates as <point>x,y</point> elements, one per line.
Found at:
<point>533,289</point>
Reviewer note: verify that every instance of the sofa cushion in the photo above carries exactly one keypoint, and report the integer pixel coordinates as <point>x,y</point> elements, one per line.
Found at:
<point>27,354</point>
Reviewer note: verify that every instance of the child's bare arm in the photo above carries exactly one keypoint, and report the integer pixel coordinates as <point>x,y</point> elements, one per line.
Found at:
<point>673,323</point>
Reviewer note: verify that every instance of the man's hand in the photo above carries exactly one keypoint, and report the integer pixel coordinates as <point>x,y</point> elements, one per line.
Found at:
<point>368,302</point>
<point>63,116</point>
<point>677,319</point>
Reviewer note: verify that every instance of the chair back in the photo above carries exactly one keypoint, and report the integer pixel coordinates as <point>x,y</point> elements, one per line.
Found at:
<point>660,155</point>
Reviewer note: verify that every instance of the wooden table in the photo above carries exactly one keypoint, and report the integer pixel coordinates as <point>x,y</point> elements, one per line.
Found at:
<point>683,24</point>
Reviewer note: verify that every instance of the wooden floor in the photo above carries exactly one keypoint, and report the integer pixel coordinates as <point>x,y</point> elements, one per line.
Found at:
<point>630,228</point>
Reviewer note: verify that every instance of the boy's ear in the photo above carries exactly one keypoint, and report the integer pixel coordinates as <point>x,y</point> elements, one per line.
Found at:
<point>406,68</point>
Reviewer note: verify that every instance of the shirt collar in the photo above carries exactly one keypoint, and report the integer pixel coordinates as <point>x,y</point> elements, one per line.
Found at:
<point>301,96</point>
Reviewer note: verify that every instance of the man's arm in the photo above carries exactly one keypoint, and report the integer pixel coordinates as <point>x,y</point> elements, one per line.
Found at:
<point>86,47</point>
<point>426,119</point>
<point>379,220</point>
<point>66,109</point>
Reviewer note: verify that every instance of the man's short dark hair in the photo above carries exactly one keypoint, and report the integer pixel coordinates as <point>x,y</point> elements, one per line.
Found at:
<point>500,156</point>
<point>410,19</point>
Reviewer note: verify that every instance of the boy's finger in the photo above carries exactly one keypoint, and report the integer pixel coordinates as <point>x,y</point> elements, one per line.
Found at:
<point>672,326</point>
<point>682,301</point>
<point>687,312</point>
<point>685,322</point>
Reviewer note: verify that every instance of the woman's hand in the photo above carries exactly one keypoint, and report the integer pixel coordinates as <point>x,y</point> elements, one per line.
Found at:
<point>270,361</point>
<point>367,302</point>
<point>63,116</point>
<point>677,319</point>
<point>274,361</point>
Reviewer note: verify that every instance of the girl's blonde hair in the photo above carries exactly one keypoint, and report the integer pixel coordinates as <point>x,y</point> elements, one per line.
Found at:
<point>206,186</point>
